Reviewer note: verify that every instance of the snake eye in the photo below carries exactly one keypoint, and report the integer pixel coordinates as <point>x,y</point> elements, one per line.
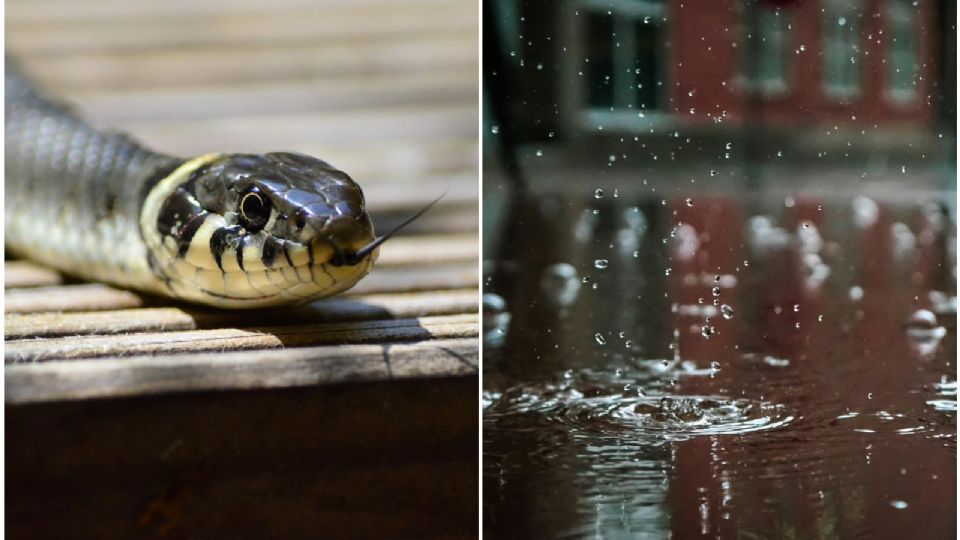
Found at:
<point>254,210</point>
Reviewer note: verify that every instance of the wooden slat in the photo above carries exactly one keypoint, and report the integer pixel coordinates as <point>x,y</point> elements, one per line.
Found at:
<point>227,339</point>
<point>363,308</point>
<point>353,92</point>
<point>87,296</point>
<point>26,274</point>
<point>171,68</point>
<point>78,379</point>
<point>121,11</point>
<point>240,30</point>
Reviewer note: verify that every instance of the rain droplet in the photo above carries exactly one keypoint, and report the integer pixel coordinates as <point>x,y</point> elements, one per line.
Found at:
<point>689,201</point>
<point>726,311</point>
<point>600,264</point>
<point>600,339</point>
<point>539,153</point>
<point>707,331</point>
<point>716,291</point>
<point>715,366</point>
<point>796,308</point>
<point>598,194</point>
<point>494,129</point>
<point>667,272</point>
<point>899,505</point>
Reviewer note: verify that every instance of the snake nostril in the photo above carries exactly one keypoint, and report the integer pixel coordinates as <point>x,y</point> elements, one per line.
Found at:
<point>300,221</point>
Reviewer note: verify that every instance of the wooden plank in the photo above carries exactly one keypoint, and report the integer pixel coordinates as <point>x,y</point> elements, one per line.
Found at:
<point>363,308</point>
<point>253,133</point>
<point>87,296</point>
<point>396,458</point>
<point>276,63</point>
<point>227,339</point>
<point>120,11</point>
<point>240,30</point>
<point>27,274</point>
<point>308,366</point>
<point>359,91</point>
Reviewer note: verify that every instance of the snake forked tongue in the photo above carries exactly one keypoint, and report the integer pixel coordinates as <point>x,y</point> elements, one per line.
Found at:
<point>354,258</point>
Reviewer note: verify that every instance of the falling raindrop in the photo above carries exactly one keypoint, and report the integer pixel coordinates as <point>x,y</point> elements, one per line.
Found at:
<point>600,264</point>
<point>600,339</point>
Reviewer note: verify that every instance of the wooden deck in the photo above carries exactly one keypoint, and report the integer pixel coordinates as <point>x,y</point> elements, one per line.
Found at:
<point>134,416</point>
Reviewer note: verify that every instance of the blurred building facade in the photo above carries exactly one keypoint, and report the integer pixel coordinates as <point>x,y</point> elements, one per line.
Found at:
<point>761,87</point>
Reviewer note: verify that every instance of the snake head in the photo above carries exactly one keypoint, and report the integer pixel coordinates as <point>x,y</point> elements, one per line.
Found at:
<point>245,230</point>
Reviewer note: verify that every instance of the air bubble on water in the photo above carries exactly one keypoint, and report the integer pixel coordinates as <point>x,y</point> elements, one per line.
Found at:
<point>612,158</point>
<point>707,331</point>
<point>726,311</point>
<point>856,293</point>
<point>628,344</point>
<point>796,308</point>
<point>636,254</point>
<point>600,264</point>
<point>689,201</point>
<point>667,271</point>
<point>746,263</point>
<point>820,318</point>
<point>600,339</point>
<point>598,194</point>
<point>539,153</point>
<point>539,67</point>
<point>494,129</point>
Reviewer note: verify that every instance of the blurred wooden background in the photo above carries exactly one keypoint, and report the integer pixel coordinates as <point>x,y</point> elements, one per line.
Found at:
<point>130,416</point>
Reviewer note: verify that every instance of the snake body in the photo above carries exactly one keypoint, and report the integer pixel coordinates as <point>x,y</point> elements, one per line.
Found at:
<point>228,230</point>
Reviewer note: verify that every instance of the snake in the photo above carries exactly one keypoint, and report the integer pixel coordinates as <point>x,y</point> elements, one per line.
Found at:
<point>229,230</point>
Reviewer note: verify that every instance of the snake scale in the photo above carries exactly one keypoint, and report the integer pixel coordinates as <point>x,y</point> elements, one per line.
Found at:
<point>227,230</point>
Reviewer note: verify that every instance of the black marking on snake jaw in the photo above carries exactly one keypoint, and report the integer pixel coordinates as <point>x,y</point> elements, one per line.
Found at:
<point>269,252</point>
<point>240,252</point>
<point>180,208</point>
<point>187,232</point>
<point>221,239</point>
<point>287,255</point>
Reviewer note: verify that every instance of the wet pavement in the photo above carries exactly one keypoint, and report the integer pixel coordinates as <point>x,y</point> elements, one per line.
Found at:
<point>706,366</point>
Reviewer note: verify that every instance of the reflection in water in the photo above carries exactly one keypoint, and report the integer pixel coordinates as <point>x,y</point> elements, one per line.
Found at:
<point>784,375</point>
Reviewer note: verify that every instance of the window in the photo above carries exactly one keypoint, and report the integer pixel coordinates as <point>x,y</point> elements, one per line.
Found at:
<point>621,46</point>
<point>841,49</point>
<point>764,62</point>
<point>902,50</point>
